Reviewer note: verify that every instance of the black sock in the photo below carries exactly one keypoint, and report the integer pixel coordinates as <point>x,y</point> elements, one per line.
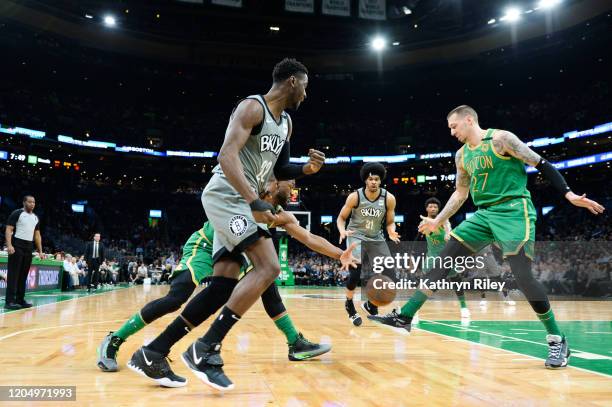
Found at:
<point>224,322</point>
<point>202,306</point>
<point>171,335</point>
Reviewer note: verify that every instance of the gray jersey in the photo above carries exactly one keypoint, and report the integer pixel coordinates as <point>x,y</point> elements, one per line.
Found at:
<point>258,156</point>
<point>368,217</point>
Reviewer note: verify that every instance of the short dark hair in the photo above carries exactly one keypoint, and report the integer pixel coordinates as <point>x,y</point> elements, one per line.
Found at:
<point>373,168</point>
<point>464,110</point>
<point>286,68</point>
<point>433,200</point>
<point>25,197</point>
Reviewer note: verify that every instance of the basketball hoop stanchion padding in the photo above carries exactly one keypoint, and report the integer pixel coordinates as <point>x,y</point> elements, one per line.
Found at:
<point>286,275</point>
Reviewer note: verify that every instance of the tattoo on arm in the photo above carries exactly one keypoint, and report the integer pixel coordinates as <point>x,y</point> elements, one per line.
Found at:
<point>454,203</point>
<point>462,185</point>
<point>516,148</point>
<point>463,178</point>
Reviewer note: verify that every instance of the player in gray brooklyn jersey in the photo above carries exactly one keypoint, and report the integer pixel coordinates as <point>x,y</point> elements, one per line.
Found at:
<point>256,146</point>
<point>371,208</point>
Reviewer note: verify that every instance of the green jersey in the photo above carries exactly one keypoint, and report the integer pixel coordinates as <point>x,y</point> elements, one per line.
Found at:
<point>435,241</point>
<point>494,178</point>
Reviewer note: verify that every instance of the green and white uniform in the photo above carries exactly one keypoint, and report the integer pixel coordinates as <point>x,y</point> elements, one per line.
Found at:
<point>197,255</point>
<point>227,211</point>
<point>435,244</point>
<point>498,188</point>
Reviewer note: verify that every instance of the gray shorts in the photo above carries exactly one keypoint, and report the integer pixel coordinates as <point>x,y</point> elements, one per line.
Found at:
<point>231,218</point>
<point>374,248</point>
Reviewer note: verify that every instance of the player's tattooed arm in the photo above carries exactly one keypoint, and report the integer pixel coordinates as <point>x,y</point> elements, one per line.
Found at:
<point>506,142</point>
<point>456,200</point>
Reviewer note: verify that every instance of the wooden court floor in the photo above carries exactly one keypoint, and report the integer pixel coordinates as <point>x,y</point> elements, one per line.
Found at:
<point>496,359</point>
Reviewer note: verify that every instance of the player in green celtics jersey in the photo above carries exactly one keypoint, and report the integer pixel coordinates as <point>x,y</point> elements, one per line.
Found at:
<point>491,168</point>
<point>196,265</point>
<point>435,243</point>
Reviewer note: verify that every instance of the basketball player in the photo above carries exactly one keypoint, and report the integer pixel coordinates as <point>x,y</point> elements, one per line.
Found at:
<point>491,168</point>
<point>197,258</point>
<point>370,208</point>
<point>435,244</point>
<point>256,145</point>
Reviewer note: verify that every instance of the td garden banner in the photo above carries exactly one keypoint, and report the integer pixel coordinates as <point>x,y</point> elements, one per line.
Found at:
<point>562,270</point>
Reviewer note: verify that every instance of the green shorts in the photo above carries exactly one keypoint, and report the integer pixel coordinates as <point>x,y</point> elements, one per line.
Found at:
<point>199,264</point>
<point>511,224</point>
<point>428,263</point>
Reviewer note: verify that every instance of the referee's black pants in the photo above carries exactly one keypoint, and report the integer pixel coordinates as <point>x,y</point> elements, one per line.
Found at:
<point>18,268</point>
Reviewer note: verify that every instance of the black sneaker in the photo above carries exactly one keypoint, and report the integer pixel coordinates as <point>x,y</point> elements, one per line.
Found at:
<point>352,312</point>
<point>154,365</point>
<point>205,362</point>
<point>25,304</point>
<point>12,306</point>
<point>558,352</point>
<point>107,353</point>
<point>392,319</point>
<point>303,349</point>
<point>369,308</point>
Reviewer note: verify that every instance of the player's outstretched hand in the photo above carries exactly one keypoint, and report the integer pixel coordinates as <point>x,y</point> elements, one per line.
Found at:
<point>427,225</point>
<point>583,202</point>
<point>393,235</point>
<point>346,259</point>
<point>315,161</point>
<point>345,234</point>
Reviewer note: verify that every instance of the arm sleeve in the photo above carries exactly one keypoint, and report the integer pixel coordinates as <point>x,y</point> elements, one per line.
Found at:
<point>283,170</point>
<point>13,218</point>
<point>554,176</point>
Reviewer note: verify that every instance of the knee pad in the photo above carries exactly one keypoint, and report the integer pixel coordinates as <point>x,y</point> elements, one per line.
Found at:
<point>272,301</point>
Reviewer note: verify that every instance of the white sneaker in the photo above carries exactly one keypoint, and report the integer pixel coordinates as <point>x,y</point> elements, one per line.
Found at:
<point>483,303</point>
<point>465,313</point>
<point>511,303</point>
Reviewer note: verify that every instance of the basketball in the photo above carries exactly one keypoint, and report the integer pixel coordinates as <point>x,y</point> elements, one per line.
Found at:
<point>378,291</point>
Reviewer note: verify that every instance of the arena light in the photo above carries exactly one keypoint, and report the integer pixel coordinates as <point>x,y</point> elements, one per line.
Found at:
<point>110,21</point>
<point>491,21</point>
<point>396,43</point>
<point>406,11</point>
<point>513,14</point>
<point>548,4</point>
<point>378,44</point>
<point>89,16</point>
<point>274,28</point>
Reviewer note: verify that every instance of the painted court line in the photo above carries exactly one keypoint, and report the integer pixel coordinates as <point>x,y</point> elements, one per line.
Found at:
<point>509,337</point>
<point>520,354</point>
<point>44,328</point>
<point>70,299</point>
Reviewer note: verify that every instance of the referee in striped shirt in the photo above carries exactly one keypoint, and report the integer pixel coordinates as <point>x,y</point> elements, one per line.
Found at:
<point>22,231</point>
